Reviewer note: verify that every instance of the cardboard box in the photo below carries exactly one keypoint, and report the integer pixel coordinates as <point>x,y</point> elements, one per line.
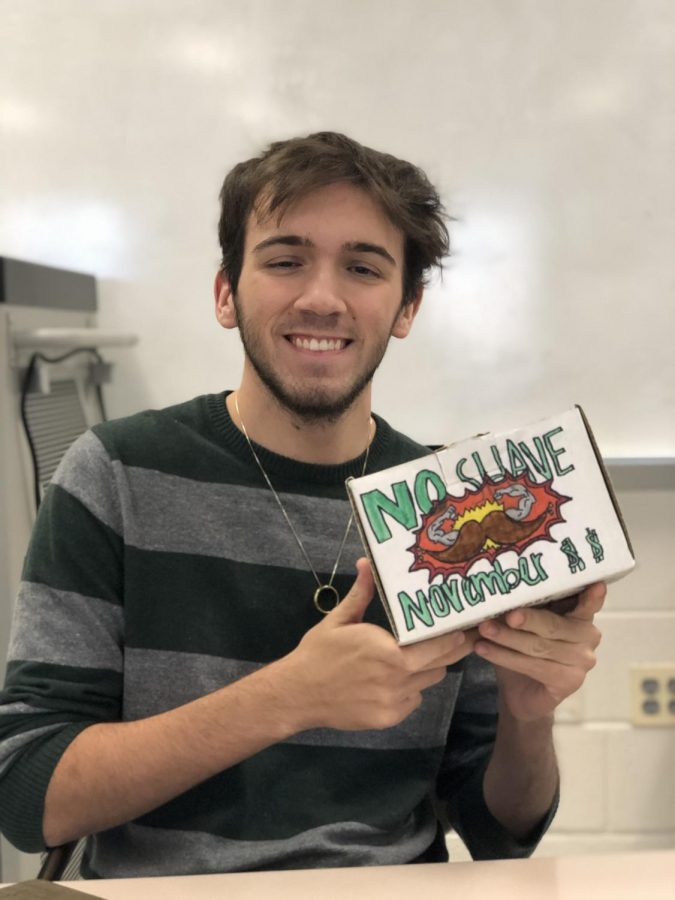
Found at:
<point>490,524</point>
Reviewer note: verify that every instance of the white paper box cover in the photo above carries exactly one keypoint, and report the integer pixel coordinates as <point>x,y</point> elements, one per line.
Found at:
<point>489,524</point>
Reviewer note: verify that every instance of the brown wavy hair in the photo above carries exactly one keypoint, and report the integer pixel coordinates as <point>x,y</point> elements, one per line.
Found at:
<point>288,170</point>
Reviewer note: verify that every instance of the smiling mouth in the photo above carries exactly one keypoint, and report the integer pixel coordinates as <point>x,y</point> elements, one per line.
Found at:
<point>317,345</point>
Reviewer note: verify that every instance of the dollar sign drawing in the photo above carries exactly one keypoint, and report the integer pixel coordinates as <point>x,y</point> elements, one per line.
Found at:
<point>596,546</point>
<point>574,561</point>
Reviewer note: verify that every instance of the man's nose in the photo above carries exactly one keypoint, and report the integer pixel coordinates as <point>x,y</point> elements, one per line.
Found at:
<point>321,293</point>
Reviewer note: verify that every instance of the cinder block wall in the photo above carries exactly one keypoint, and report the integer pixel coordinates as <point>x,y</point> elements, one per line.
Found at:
<point>618,779</point>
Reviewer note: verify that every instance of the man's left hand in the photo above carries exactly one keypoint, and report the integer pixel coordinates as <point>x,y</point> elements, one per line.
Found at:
<point>542,657</point>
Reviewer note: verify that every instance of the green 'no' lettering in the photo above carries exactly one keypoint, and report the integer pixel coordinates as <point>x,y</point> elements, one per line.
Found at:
<point>401,509</point>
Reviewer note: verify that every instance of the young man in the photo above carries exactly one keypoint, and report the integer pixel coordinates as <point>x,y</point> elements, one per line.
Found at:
<point>183,687</point>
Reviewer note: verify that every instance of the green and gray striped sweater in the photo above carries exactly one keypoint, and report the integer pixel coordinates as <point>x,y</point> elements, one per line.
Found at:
<point>160,569</point>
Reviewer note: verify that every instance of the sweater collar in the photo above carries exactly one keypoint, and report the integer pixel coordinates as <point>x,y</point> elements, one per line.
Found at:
<point>284,466</point>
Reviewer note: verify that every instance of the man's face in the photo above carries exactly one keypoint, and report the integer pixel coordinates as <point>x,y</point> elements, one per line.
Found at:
<point>319,297</point>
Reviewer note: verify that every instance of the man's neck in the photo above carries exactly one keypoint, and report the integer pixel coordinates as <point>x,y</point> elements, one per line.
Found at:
<point>325,442</point>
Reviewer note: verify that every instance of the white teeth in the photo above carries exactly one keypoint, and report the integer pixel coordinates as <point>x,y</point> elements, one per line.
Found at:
<point>317,345</point>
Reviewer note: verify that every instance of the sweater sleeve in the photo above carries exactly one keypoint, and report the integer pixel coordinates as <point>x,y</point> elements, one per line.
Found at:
<point>64,669</point>
<point>460,784</point>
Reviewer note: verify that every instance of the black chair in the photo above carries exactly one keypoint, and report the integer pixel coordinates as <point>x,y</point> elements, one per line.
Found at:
<point>62,863</point>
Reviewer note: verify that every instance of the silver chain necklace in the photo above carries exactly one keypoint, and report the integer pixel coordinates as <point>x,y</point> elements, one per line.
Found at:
<point>327,588</point>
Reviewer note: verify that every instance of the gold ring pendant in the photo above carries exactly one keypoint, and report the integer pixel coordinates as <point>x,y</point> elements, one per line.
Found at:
<point>317,598</point>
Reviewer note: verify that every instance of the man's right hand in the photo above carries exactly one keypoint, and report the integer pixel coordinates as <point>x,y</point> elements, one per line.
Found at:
<point>350,675</point>
<point>343,674</point>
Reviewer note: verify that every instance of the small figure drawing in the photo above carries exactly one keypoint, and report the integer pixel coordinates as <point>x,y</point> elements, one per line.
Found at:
<point>575,562</point>
<point>436,532</point>
<point>596,546</point>
<point>525,503</point>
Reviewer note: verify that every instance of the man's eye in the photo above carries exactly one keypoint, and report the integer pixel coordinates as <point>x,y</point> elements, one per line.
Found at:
<point>365,270</point>
<point>283,264</point>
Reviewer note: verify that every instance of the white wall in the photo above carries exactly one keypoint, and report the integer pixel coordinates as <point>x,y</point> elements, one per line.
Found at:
<point>548,125</point>
<point>550,128</point>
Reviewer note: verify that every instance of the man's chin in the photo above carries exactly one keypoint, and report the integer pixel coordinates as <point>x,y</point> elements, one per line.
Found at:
<point>314,406</point>
<point>316,409</point>
<point>314,400</point>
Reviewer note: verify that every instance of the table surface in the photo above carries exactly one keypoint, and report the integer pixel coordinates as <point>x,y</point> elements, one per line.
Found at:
<point>649,875</point>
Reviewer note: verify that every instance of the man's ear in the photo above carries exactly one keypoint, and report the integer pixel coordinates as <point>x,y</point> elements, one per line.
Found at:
<point>406,315</point>
<point>226,312</point>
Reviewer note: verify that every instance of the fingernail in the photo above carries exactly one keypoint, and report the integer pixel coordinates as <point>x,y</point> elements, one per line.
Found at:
<point>516,619</point>
<point>489,629</point>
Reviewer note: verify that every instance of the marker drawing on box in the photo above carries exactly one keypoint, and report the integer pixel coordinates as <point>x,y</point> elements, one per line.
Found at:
<point>596,546</point>
<point>575,562</point>
<point>458,531</point>
<point>509,528</point>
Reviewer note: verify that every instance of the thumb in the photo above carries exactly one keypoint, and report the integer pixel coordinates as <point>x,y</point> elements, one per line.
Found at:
<point>354,605</point>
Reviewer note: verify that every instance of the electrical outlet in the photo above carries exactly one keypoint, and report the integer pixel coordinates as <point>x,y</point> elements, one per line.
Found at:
<point>653,693</point>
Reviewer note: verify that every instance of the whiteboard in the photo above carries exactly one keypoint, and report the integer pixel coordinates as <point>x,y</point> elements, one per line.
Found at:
<point>549,128</point>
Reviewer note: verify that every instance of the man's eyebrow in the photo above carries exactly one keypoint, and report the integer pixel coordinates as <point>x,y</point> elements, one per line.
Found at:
<point>295,240</point>
<point>286,240</point>
<point>365,247</point>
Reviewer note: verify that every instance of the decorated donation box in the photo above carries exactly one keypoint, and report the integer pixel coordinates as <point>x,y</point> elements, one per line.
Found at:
<point>489,524</point>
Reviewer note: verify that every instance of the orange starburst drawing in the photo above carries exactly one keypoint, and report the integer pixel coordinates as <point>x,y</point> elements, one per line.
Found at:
<point>508,515</point>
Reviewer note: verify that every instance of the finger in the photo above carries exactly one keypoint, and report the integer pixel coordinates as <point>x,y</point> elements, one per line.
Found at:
<point>443,650</point>
<point>354,605</point>
<point>561,679</point>
<point>578,653</point>
<point>471,635</point>
<point>563,605</point>
<point>591,601</point>
<point>420,681</point>
<point>545,624</point>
